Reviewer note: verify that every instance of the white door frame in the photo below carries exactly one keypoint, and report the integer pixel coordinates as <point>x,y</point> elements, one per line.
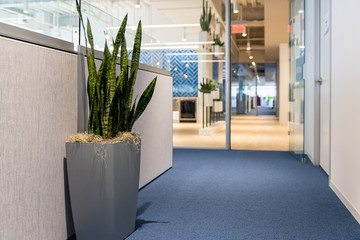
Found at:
<point>317,75</point>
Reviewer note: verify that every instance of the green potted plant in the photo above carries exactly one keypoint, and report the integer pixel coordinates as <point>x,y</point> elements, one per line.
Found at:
<point>215,93</point>
<point>205,22</point>
<point>217,44</point>
<point>103,165</point>
<point>207,89</point>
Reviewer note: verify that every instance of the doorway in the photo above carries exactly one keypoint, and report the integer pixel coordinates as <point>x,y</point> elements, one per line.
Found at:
<point>323,85</point>
<point>255,77</point>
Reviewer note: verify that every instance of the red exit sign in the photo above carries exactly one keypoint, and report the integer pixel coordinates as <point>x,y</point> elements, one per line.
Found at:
<point>238,28</point>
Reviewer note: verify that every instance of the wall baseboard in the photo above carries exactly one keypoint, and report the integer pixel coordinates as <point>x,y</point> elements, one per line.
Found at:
<point>345,201</point>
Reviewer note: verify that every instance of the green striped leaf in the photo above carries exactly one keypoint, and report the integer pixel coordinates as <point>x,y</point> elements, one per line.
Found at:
<point>119,39</point>
<point>143,101</point>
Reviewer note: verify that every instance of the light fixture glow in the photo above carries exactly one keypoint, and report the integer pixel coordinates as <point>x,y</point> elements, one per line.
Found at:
<point>184,37</point>
<point>235,7</point>
<point>168,47</point>
<point>248,48</point>
<point>253,63</point>
<point>204,61</point>
<point>189,54</point>
<point>244,34</point>
<point>177,43</point>
<point>251,57</point>
<point>159,26</point>
<point>137,3</point>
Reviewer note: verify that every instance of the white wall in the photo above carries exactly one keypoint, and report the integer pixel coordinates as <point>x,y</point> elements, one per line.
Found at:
<point>155,127</point>
<point>284,75</point>
<point>38,102</point>
<point>309,76</point>
<point>276,27</point>
<point>345,113</point>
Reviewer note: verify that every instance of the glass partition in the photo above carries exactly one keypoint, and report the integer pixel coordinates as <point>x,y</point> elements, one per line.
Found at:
<point>253,89</point>
<point>55,18</point>
<point>297,83</point>
<point>172,42</point>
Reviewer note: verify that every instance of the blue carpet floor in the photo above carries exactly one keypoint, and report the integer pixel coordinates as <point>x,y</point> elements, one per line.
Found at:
<point>215,194</point>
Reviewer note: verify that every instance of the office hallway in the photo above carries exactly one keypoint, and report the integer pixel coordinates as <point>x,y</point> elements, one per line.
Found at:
<point>218,194</point>
<point>247,133</point>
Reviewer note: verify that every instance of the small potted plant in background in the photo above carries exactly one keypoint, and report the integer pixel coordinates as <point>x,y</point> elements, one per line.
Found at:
<point>207,89</point>
<point>103,165</point>
<point>205,23</point>
<point>217,44</point>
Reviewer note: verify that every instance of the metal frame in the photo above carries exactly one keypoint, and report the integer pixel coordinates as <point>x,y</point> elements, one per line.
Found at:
<point>330,89</point>
<point>228,74</point>
<point>25,35</point>
<point>317,86</point>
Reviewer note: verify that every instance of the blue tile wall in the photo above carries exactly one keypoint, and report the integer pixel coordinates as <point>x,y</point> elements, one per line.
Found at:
<point>185,74</point>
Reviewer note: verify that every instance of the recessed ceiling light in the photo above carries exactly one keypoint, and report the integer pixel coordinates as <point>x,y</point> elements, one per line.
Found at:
<point>251,57</point>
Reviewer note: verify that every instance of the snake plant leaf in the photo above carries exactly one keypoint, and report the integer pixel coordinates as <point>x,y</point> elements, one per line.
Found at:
<point>131,115</point>
<point>109,101</point>
<point>135,61</point>
<point>119,39</point>
<point>110,96</point>
<point>90,36</point>
<point>122,79</point>
<point>127,100</point>
<point>102,83</point>
<point>81,18</point>
<point>144,101</point>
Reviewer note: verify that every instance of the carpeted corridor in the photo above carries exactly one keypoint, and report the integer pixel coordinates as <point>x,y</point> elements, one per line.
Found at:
<point>218,194</point>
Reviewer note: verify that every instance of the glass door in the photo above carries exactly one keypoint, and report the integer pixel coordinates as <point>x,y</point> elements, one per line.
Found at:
<point>297,83</point>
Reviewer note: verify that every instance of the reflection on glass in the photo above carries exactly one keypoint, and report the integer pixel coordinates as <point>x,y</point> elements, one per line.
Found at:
<point>56,18</point>
<point>253,89</point>
<point>173,43</point>
<point>297,84</point>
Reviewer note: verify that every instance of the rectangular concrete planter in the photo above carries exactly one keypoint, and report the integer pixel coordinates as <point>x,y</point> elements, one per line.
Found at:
<point>103,183</point>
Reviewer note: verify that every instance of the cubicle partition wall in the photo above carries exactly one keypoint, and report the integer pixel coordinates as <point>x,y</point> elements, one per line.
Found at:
<point>41,96</point>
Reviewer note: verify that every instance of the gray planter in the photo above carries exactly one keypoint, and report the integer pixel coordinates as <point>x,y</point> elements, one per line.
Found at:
<point>103,183</point>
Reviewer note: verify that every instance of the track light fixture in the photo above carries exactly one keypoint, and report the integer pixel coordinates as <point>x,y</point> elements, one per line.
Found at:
<point>137,3</point>
<point>235,7</point>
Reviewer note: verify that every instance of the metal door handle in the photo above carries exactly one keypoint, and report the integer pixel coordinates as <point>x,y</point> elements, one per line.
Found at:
<point>319,81</point>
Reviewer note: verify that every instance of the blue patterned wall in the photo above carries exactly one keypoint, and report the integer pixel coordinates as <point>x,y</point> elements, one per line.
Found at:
<point>185,74</point>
